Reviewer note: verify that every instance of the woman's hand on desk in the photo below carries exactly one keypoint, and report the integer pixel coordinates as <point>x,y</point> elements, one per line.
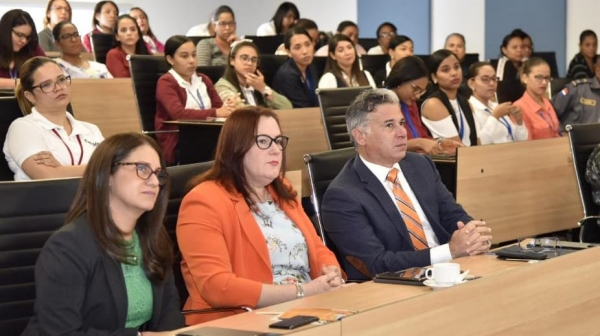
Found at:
<point>322,284</point>
<point>46,158</point>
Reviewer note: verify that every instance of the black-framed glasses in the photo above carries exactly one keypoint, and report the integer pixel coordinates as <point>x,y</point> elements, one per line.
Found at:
<point>50,86</point>
<point>225,23</point>
<point>144,171</point>
<point>541,78</point>
<point>264,141</point>
<point>417,91</point>
<point>248,59</point>
<point>22,36</point>
<point>487,79</point>
<point>72,36</point>
<point>540,245</point>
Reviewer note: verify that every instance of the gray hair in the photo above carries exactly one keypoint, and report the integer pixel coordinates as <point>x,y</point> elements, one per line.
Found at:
<point>366,102</point>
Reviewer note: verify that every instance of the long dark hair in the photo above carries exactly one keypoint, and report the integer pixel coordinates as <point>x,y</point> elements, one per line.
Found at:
<point>98,10</point>
<point>140,46</point>
<point>150,33</point>
<point>333,66</point>
<point>436,59</point>
<point>230,74</point>
<point>408,69</point>
<point>236,139</point>
<point>92,201</point>
<point>11,19</point>
<point>281,12</point>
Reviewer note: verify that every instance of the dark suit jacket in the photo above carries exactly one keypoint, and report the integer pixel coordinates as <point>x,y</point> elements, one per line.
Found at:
<point>80,290</point>
<point>361,219</point>
<point>289,82</point>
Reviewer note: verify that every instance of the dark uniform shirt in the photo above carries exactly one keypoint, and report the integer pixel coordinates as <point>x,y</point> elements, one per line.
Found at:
<point>578,102</point>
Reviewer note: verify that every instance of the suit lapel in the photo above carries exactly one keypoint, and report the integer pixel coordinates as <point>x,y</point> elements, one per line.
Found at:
<point>116,281</point>
<point>382,196</point>
<point>251,229</point>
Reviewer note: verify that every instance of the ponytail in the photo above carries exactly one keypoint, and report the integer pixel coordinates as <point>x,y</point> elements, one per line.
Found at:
<point>24,104</point>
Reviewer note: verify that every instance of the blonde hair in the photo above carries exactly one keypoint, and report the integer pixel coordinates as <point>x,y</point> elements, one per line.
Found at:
<point>25,83</point>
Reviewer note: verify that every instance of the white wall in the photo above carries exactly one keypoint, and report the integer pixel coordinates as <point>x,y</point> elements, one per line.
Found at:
<point>581,15</point>
<point>448,16</point>
<point>170,17</point>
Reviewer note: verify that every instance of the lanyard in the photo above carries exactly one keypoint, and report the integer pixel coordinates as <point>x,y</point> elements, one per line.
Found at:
<point>550,122</point>
<point>461,125</point>
<point>505,123</point>
<point>310,85</point>
<point>408,119</point>
<point>13,73</point>
<point>69,149</point>
<point>199,100</point>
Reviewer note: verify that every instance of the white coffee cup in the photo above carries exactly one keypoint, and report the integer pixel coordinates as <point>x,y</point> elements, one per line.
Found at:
<point>443,273</point>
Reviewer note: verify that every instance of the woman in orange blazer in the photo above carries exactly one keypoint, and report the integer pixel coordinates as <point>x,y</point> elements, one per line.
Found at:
<point>244,238</point>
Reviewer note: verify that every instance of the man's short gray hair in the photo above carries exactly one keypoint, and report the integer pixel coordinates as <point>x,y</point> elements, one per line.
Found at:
<point>366,102</point>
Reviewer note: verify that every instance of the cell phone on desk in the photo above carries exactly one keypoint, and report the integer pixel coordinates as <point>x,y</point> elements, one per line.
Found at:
<point>294,322</point>
<point>414,276</point>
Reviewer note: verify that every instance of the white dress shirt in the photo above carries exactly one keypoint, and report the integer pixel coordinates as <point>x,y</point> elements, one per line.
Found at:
<point>438,253</point>
<point>494,130</point>
<point>328,80</point>
<point>444,128</point>
<point>197,93</point>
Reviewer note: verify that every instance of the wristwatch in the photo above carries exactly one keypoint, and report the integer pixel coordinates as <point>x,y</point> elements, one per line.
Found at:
<point>267,91</point>
<point>299,290</point>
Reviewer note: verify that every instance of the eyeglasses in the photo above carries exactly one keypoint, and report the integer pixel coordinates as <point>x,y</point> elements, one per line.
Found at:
<point>72,36</point>
<point>144,171</point>
<point>22,36</point>
<point>247,59</point>
<point>488,80</point>
<point>264,141</point>
<point>225,23</point>
<point>60,8</point>
<point>540,245</point>
<point>386,35</point>
<point>540,79</point>
<point>417,91</point>
<point>50,86</point>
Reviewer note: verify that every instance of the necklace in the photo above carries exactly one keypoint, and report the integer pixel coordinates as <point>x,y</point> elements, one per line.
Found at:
<point>264,213</point>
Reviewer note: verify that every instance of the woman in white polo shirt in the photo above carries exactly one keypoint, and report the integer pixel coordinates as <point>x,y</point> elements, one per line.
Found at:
<point>47,142</point>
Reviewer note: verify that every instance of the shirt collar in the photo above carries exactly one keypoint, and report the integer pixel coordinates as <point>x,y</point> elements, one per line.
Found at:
<point>531,105</point>
<point>379,171</point>
<point>477,105</point>
<point>196,80</point>
<point>76,128</point>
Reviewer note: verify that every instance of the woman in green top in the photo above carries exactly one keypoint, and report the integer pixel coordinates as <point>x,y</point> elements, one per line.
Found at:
<point>108,271</point>
<point>243,79</point>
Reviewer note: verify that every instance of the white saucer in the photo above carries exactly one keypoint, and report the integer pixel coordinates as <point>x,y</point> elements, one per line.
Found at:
<point>436,286</point>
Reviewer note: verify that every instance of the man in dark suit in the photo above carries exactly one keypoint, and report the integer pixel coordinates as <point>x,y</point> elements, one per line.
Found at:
<point>380,221</point>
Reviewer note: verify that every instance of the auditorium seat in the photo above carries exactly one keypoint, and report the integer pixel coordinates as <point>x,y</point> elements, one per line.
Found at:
<point>101,44</point>
<point>9,112</point>
<point>29,213</point>
<point>214,72</point>
<point>374,63</point>
<point>269,64</point>
<point>368,43</point>
<point>266,44</point>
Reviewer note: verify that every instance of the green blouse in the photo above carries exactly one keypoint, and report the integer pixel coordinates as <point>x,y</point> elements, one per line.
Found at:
<point>139,288</point>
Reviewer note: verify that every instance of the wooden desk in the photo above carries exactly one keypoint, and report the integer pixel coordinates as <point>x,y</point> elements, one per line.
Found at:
<point>361,297</point>
<point>560,296</point>
<point>107,103</point>
<point>520,189</point>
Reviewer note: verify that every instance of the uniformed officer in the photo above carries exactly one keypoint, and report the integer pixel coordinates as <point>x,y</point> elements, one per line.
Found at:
<point>579,101</point>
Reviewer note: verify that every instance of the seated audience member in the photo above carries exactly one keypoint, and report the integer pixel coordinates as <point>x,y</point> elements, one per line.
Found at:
<point>592,174</point>
<point>108,271</point>
<point>18,48</point>
<point>400,46</point>
<point>507,70</point>
<point>343,66</point>
<point>244,238</point>
<point>349,29</point>
<point>311,27</point>
<point>284,18</point>
<point>388,209</point>
<point>127,41</point>
<point>242,77</point>
<point>103,22</point>
<point>47,142</point>
<point>496,125</point>
<point>385,32</point>
<point>296,79</point>
<point>203,29</point>
<point>527,46</point>
<point>582,65</point>
<point>152,43</point>
<point>68,42</point>
<point>182,93</point>
<point>579,101</point>
<point>215,50</point>
<point>456,43</point>
<point>446,113</point>
<point>408,80</point>
<point>56,11</point>
<point>538,113</point>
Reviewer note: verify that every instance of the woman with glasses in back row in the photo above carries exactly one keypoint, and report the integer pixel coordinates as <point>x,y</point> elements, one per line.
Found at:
<point>56,11</point>
<point>48,142</point>
<point>68,42</point>
<point>243,235</point>
<point>108,270</point>
<point>243,79</point>
<point>18,43</point>
<point>215,50</point>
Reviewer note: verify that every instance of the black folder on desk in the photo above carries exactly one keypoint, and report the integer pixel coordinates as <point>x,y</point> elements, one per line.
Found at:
<point>514,252</point>
<point>210,331</point>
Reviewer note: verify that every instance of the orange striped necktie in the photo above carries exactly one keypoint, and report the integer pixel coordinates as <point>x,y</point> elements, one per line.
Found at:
<point>410,216</point>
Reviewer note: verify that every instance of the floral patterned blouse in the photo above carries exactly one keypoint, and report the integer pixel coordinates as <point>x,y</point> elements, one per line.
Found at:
<point>285,242</point>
